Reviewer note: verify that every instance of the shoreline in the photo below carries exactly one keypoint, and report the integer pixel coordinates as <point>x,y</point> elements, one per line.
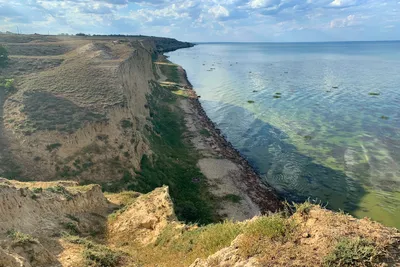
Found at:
<point>264,196</point>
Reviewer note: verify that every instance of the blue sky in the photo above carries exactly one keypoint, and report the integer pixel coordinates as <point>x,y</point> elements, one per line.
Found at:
<point>210,20</point>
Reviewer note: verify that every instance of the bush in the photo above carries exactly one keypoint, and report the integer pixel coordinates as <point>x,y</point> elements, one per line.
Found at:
<point>100,256</point>
<point>3,56</point>
<point>52,147</point>
<point>352,252</point>
<point>20,238</point>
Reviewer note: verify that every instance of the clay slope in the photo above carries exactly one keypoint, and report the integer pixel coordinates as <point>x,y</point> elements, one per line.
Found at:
<point>147,231</point>
<point>34,216</point>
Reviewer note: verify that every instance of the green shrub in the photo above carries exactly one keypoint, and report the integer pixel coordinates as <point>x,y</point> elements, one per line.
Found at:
<point>20,238</point>
<point>96,255</point>
<point>37,190</point>
<point>273,226</point>
<point>52,147</point>
<point>71,228</point>
<point>233,198</point>
<point>351,252</point>
<point>126,124</point>
<point>100,256</point>
<point>205,132</point>
<point>60,190</point>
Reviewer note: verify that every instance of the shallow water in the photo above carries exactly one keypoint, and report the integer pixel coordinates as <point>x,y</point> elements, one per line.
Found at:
<point>313,131</point>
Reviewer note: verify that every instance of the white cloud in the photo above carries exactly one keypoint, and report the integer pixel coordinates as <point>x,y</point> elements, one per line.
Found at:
<point>350,20</point>
<point>262,3</point>
<point>342,3</point>
<point>219,11</point>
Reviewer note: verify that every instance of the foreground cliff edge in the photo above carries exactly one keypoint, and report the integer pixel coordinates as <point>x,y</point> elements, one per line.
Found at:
<point>114,111</point>
<point>62,224</point>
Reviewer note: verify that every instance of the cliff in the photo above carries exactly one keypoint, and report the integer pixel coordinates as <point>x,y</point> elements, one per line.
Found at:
<point>85,115</point>
<point>69,225</point>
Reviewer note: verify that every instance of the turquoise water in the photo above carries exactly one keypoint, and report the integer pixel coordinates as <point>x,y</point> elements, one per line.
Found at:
<point>314,130</point>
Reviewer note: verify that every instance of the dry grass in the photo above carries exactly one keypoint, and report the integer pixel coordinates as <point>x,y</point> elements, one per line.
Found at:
<point>311,237</point>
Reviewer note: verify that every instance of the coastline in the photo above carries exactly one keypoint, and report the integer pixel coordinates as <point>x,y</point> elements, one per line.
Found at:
<point>257,197</point>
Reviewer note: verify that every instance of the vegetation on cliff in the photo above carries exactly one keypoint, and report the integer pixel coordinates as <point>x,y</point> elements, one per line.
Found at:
<point>3,56</point>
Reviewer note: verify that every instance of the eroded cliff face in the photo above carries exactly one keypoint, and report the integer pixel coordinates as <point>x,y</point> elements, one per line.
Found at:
<point>61,224</point>
<point>82,119</point>
<point>34,216</point>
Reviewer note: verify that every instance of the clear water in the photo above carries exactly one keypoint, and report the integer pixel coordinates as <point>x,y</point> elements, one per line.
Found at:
<point>326,138</point>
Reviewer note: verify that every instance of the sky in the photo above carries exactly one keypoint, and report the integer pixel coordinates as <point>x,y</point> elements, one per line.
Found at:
<point>210,20</point>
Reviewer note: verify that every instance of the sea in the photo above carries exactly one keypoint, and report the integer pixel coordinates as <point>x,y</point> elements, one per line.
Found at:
<point>318,121</point>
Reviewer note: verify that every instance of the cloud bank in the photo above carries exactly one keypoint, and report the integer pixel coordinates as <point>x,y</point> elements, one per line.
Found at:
<point>209,20</point>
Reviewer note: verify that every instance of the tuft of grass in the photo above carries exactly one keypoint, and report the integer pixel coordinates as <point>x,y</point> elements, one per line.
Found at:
<point>96,255</point>
<point>71,227</point>
<point>125,124</point>
<point>384,117</point>
<point>21,238</point>
<point>303,208</point>
<point>7,85</point>
<point>352,252</point>
<point>274,227</point>
<point>72,217</point>
<point>52,147</point>
<point>308,137</point>
<point>250,101</point>
<point>374,93</point>
<point>100,256</point>
<point>37,190</point>
<point>60,190</point>
<point>205,132</point>
<point>233,198</point>
<point>258,234</point>
<point>277,96</point>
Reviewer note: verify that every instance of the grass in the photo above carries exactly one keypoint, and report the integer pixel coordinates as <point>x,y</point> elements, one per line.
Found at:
<point>303,208</point>
<point>277,96</point>
<point>233,198</point>
<point>48,112</point>
<point>261,233</point>
<point>7,85</point>
<point>250,101</point>
<point>126,124</point>
<point>205,132</point>
<point>52,147</point>
<point>191,243</point>
<point>352,252</point>
<point>384,117</point>
<point>60,190</point>
<point>174,162</point>
<point>21,238</point>
<point>96,255</point>
<point>171,71</point>
<point>374,93</point>
<point>71,227</point>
